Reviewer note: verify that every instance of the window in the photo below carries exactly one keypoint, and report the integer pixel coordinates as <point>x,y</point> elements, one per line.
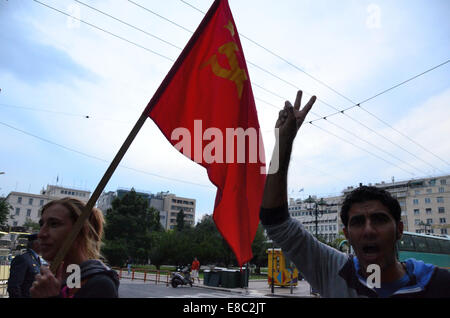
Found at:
<point>428,210</point>
<point>30,201</point>
<point>443,181</point>
<point>442,220</point>
<point>440,200</point>
<point>427,200</point>
<point>441,209</point>
<point>19,200</point>
<point>416,221</point>
<point>416,211</point>
<point>443,231</point>
<point>432,182</point>
<point>417,192</point>
<point>429,190</point>
<point>441,190</point>
<point>429,221</point>
<point>415,201</point>
<point>28,212</point>
<point>17,211</point>
<point>41,203</point>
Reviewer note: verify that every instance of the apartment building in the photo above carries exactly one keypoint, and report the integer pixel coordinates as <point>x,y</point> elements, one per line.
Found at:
<point>328,220</point>
<point>428,205</point>
<point>424,202</point>
<point>28,205</point>
<point>168,205</point>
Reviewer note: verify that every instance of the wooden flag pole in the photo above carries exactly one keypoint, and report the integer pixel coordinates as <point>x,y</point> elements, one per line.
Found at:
<point>94,197</point>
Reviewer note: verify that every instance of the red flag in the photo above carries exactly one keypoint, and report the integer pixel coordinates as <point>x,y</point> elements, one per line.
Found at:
<point>206,109</point>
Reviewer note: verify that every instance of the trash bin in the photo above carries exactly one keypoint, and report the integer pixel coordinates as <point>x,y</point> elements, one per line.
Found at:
<point>244,277</point>
<point>214,278</point>
<point>231,278</point>
<point>206,277</point>
<point>226,279</point>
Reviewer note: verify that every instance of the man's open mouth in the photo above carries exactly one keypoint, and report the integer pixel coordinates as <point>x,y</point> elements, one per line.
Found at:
<point>370,249</point>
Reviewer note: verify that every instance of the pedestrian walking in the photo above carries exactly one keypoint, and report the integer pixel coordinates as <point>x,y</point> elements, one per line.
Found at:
<point>195,267</point>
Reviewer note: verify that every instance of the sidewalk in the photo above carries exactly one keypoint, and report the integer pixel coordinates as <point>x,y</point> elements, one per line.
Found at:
<point>262,288</point>
<point>259,287</point>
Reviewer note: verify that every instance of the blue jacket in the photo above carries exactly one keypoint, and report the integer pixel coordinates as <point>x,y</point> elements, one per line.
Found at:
<point>335,274</point>
<point>23,269</point>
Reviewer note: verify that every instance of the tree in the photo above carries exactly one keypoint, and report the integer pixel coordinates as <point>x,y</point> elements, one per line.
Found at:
<point>129,227</point>
<point>5,208</point>
<point>259,249</point>
<point>180,220</point>
<point>210,247</point>
<point>33,226</point>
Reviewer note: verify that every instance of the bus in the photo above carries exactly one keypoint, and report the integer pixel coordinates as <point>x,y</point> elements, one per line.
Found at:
<point>427,248</point>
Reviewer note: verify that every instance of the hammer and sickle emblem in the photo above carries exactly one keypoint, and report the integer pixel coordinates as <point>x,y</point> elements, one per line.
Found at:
<point>235,74</point>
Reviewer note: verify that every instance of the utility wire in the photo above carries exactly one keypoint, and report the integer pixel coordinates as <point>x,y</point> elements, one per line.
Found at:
<point>103,30</point>
<point>130,25</point>
<point>339,111</point>
<point>375,155</point>
<point>61,113</point>
<point>319,117</point>
<point>278,56</point>
<point>100,159</point>
<point>343,96</point>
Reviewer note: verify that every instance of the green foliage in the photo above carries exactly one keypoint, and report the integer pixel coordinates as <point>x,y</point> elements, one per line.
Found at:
<point>129,227</point>
<point>29,224</point>
<point>133,231</point>
<point>5,208</point>
<point>180,220</point>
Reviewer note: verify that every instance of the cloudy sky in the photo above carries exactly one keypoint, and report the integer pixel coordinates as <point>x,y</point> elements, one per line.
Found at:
<point>56,70</point>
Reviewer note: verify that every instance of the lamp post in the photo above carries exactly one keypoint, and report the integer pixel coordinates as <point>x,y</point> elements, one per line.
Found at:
<point>425,226</point>
<point>316,208</point>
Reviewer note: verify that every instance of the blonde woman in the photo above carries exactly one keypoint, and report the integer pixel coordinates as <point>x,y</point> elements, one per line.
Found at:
<point>96,279</point>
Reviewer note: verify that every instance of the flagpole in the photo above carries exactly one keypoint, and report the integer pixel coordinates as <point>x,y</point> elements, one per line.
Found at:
<point>98,190</point>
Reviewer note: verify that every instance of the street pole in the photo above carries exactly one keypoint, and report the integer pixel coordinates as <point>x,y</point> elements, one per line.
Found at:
<point>273,254</point>
<point>316,221</point>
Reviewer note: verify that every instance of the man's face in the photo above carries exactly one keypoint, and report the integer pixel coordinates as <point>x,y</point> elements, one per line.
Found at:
<point>372,232</point>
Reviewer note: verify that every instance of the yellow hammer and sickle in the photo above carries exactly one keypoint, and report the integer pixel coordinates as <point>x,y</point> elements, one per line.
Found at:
<point>235,74</point>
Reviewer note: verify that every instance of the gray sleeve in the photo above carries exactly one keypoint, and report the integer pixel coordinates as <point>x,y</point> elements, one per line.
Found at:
<point>318,262</point>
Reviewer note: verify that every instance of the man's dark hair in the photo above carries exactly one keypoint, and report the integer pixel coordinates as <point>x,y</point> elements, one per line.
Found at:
<point>364,194</point>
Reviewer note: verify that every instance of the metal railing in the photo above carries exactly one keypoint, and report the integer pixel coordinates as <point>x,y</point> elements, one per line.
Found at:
<point>157,276</point>
<point>4,275</point>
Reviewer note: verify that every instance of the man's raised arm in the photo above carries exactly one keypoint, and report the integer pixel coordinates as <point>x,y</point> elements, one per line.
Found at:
<point>289,122</point>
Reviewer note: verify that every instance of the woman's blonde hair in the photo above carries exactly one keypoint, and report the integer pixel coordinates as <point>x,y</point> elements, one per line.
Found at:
<point>91,234</point>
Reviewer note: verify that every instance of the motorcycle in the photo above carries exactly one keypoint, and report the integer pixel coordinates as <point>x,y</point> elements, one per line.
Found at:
<point>181,277</point>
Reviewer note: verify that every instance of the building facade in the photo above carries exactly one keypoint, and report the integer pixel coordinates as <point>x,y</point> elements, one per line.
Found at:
<point>425,207</point>
<point>428,205</point>
<point>27,206</point>
<point>168,205</point>
<point>328,222</point>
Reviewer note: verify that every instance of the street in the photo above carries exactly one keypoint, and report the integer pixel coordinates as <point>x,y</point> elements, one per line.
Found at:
<point>139,289</point>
